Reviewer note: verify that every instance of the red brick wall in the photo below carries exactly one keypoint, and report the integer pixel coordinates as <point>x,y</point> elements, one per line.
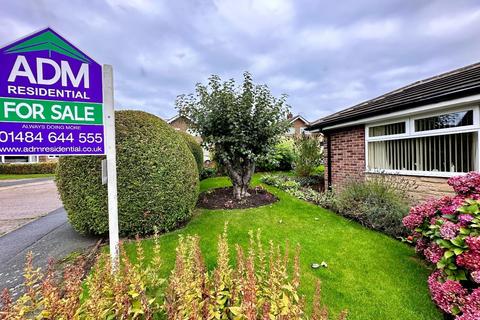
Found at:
<point>347,154</point>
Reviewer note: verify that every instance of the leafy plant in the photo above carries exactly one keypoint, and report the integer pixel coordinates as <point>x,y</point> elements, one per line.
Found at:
<point>378,202</point>
<point>280,158</point>
<point>308,155</point>
<point>446,232</point>
<point>132,292</point>
<point>240,124</point>
<point>44,296</point>
<point>208,173</point>
<point>158,182</point>
<point>258,287</point>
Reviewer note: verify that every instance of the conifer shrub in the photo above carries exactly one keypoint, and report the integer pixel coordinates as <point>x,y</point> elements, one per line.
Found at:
<point>195,148</point>
<point>157,176</point>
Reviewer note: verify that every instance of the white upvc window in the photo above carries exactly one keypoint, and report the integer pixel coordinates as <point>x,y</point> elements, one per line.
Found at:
<point>441,143</point>
<point>19,159</point>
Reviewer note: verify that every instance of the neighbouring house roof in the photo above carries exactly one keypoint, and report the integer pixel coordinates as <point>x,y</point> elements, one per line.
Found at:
<point>454,84</point>
<point>173,118</point>
<point>299,117</point>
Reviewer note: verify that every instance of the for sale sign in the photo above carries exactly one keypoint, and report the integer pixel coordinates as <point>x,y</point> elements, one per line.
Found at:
<point>50,98</point>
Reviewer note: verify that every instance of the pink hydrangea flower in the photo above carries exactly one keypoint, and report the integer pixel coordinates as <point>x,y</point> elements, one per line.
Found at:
<point>475,276</point>
<point>471,307</point>
<point>421,245</point>
<point>467,184</point>
<point>469,260</point>
<point>465,219</point>
<point>433,253</point>
<point>448,294</point>
<point>449,230</point>
<point>473,243</point>
<point>412,221</point>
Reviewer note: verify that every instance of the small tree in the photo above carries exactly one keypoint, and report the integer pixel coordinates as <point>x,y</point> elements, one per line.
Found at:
<point>308,156</point>
<point>240,123</point>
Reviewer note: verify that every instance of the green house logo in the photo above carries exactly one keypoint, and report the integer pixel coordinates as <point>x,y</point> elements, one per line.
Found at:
<point>48,41</point>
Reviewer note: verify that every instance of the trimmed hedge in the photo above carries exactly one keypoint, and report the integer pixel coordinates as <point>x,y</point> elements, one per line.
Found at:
<point>28,168</point>
<point>195,148</point>
<point>158,182</point>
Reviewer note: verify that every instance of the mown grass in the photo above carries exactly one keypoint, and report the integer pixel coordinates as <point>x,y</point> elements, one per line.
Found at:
<point>370,274</point>
<point>25,176</point>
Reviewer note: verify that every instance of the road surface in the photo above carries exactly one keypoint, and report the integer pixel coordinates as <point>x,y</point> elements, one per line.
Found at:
<point>22,201</point>
<point>48,236</point>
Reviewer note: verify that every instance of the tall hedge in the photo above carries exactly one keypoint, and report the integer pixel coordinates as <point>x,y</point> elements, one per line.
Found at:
<point>195,148</point>
<point>157,180</point>
<point>28,168</point>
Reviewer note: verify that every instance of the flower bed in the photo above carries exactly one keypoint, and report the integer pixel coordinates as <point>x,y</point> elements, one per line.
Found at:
<point>378,203</point>
<point>446,232</point>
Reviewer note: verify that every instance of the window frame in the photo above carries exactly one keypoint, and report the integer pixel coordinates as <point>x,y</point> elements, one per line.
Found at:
<point>411,133</point>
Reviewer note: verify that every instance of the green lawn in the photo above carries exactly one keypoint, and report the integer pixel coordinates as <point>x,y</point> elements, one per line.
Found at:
<point>370,274</point>
<point>25,176</point>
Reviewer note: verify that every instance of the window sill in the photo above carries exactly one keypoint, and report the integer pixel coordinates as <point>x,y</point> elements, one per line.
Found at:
<point>436,174</point>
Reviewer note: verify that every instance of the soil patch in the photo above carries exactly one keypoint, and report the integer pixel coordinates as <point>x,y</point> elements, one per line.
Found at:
<point>222,198</point>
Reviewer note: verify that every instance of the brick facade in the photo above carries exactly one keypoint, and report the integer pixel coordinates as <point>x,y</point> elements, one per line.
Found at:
<point>298,125</point>
<point>348,162</point>
<point>347,154</point>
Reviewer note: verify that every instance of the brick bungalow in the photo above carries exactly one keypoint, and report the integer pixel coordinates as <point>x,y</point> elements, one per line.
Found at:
<point>426,131</point>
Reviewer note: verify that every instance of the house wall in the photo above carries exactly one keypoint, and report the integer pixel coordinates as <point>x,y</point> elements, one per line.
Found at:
<point>428,187</point>
<point>348,162</point>
<point>347,155</point>
<point>180,124</point>
<point>297,125</point>
<point>47,159</point>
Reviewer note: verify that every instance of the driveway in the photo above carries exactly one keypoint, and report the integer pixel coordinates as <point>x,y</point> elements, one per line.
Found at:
<point>22,201</point>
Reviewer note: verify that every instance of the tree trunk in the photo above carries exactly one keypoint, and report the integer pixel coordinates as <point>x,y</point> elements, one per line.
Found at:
<point>240,175</point>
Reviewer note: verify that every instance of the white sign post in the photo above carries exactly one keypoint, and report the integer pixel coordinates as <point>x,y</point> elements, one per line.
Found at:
<point>111,164</point>
<point>69,111</point>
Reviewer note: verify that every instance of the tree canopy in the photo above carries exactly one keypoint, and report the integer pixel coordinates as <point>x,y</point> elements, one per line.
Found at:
<point>240,123</point>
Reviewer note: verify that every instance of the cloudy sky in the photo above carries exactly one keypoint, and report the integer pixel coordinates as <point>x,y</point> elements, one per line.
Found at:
<point>326,55</point>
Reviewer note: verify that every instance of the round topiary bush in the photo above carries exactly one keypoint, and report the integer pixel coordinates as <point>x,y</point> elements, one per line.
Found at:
<point>195,148</point>
<point>158,182</point>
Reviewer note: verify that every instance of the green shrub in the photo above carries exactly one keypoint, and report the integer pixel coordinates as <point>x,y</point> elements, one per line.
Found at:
<point>28,168</point>
<point>157,180</point>
<point>132,292</point>
<point>195,148</point>
<point>208,173</point>
<point>279,159</point>
<point>264,284</point>
<point>379,202</point>
<point>308,155</point>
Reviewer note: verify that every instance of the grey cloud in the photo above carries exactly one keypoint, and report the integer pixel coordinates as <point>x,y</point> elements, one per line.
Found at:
<point>325,55</point>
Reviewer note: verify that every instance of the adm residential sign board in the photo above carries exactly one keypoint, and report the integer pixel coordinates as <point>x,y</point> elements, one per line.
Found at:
<point>51,100</point>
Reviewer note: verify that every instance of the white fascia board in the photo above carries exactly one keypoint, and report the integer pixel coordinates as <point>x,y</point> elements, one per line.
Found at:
<point>408,112</point>
<point>173,119</point>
